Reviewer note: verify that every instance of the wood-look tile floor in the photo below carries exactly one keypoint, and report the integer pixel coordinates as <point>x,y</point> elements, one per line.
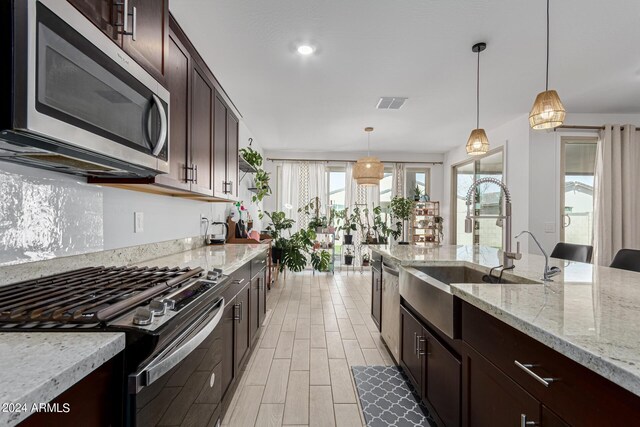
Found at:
<point>317,326</point>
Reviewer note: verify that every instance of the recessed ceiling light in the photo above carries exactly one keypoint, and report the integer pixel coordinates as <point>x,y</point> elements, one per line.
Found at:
<point>305,49</point>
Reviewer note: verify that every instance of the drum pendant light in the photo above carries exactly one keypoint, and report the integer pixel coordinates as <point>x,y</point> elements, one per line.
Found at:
<point>478,142</point>
<point>547,111</point>
<point>368,170</point>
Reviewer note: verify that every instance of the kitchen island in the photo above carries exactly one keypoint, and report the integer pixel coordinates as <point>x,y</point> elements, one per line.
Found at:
<point>588,314</point>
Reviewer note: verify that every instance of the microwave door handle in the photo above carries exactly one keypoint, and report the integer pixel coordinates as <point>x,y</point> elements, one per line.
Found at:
<point>162,138</point>
<point>165,362</point>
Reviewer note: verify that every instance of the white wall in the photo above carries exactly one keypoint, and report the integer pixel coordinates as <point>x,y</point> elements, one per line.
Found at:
<point>436,170</point>
<point>532,172</point>
<point>514,137</point>
<point>46,214</point>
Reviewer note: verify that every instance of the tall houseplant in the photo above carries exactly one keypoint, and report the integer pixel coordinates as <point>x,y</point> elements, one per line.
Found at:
<point>401,210</point>
<point>348,224</point>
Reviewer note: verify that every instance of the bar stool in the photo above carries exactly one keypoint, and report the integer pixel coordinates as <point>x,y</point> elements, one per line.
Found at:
<point>627,259</point>
<point>573,252</point>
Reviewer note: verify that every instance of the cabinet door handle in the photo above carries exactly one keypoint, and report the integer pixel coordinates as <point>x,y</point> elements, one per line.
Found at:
<point>195,170</point>
<point>526,367</point>
<point>525,423</point>
<point>236,314</point>
<point>189,173</point>
<point>424,352</point>
<point>415,343</point>
<point>240,312</point>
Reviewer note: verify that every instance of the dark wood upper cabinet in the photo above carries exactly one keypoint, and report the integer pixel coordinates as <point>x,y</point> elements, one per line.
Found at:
<point>103,14</point>
<point>201,168</point>
<point>220,148</point>
<point>150,46</point>
<point>233,174</point>
<point>179,84</point>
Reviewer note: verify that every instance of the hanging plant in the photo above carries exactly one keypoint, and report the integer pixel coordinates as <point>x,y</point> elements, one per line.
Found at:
<point>261,177</point>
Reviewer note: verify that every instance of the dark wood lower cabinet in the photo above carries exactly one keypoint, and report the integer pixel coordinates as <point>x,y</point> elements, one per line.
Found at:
<point>376,297</point>
<point>242,323</point>
<point>491,398</point>
<point>442,382</point>
<point>254,309</point>
<point>410,359</point>
<point>228,348</point>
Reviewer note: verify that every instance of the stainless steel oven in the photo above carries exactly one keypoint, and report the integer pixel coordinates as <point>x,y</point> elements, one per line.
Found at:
<point>181,385</point>
<point>77,100</point>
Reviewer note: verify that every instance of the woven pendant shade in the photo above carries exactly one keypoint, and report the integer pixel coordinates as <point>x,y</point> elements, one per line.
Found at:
<point>478,143</point>
<point>368,171</point>
<point>547,111</point>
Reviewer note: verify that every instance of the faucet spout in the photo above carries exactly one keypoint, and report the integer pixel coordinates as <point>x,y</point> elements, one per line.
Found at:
<point>507,254</point>
<point>549,272</point>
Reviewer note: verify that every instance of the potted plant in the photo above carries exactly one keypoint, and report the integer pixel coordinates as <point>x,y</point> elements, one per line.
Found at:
<point>261,177</point>
<point>348,257</point>
<point>366,259</point>
<point>401,210</point>
<point>317,223</point>
<point>348,224</point>
<point>298,247</point>
<point>417,194</point>
<point>279,223</point>
<point>321,260</point>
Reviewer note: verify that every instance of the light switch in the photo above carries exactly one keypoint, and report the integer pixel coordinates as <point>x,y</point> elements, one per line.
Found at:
<point>549,227</point>
<point>138,222</point>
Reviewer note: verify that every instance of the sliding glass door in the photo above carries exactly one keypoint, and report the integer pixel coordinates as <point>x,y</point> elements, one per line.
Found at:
<point>487,200</point>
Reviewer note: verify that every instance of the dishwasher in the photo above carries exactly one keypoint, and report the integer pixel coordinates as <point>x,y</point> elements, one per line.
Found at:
<point>391,307</point>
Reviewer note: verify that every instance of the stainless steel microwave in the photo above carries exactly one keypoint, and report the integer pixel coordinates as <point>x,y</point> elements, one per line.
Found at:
<point>73,101</point>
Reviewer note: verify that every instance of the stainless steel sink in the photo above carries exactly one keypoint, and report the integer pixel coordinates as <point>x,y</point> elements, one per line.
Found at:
<point>427,290</point>
<point>462,274</point>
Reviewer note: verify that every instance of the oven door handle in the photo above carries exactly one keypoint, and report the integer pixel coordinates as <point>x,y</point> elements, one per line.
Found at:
<point>388,269</point>
<point>162,138</point>
<point>165,362</point>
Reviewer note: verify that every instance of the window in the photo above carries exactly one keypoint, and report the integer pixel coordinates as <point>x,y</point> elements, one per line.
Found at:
<point>336,185</point>
<point>386,186</point>
<point>578,162</point>
<point>419,177</point>
<point>488,200</point>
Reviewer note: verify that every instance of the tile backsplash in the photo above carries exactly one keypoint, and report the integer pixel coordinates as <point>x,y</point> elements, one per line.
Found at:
<point>44,215</point>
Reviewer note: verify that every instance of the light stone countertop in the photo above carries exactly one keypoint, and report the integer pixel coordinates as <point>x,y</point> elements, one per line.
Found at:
<point>588,313</point>
<point>37,367</point>
<point>228,257</point>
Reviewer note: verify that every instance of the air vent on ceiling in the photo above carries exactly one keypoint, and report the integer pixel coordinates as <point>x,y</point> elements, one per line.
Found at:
<point>390,103</point>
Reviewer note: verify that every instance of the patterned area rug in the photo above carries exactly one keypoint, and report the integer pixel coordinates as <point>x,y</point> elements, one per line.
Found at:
<point>388,398</point>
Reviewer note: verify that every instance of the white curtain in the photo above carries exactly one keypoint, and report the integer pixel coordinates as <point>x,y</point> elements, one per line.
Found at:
<point>616,193</point>
<point>351,188</point>
<point>290,191</point>
<point>397,180</point>
<point>318,185</point>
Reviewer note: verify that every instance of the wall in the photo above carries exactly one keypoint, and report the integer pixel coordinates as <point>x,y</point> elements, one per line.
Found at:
<point>532,172</point>
<point>436,170</point>
<point>45,214</point>
<point>514,137</point>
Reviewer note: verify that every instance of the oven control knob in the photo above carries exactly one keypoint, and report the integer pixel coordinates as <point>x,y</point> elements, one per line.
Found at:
<point>157,307</point>
<point>142,317</point>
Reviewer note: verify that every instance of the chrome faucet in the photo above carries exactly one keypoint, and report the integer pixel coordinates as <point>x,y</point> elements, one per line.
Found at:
<point>507,255</point>
<point>549,272</point>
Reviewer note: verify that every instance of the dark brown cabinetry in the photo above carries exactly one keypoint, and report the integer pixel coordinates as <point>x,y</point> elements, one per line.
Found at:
<point>228,347</point>
<point>201,147</point>
<point>504,366</point>
<point>146,37</point>
<point>376,295</point>
<point>147,42</point>
<point>225,150</point>
<point>433,369</point>
<point>242,323</point>
<point>492,399</point>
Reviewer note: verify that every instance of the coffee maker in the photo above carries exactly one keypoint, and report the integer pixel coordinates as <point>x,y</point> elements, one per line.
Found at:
<point>219,238</point>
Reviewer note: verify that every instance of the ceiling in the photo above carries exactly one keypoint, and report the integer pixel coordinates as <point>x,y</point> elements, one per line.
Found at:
<point>420,49</point>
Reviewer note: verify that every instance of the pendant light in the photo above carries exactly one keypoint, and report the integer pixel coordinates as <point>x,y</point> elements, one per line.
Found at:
<point>368,170</point>
<point>478,142</point>
<point>547,111</point>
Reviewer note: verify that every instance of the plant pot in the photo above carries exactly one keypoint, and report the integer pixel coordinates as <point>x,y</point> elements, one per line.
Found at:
<point>332,230</point>
<point>365,263</point>
<point>348,259</point>
<point>276,255</point>
<point>416,198</point>
<point>382,240</point>
<point>348,239</point>
<point>319,230</point>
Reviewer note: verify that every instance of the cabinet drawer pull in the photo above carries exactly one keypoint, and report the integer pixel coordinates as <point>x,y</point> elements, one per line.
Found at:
<point>415,343</point>
<point>525,423</point>
<point>527,368</point>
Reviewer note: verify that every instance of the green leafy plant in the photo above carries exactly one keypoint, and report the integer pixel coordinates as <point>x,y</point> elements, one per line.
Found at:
<point>252,157</point>
<point>294,256</point>
<point>366,258</point>
<point>417,194</point>
<point>348,221</point>
<point>401,211</point>
<point>312,208</point>
<point>321,260</point>
<point>261,177</point>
